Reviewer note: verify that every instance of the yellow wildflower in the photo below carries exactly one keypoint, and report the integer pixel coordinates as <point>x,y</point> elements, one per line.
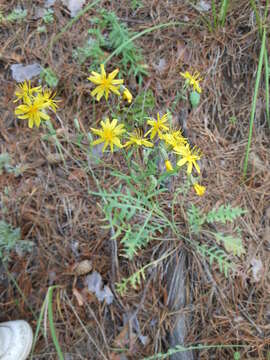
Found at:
<point>168,165</point>
<point>200,189</point>
<point>48,98</point>
<point>158,126</point>
<point>24,90</point>
<point>109,134</point>
<point>127,95</point>
<point>188,156</point>
<point>137,138</point>
<point>32,110</point>
<point>105,84</point>
<point>174,138</point>
<point>193,80</point>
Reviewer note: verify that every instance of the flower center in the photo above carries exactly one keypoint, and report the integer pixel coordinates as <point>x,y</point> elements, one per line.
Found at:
<point>106,83</point>
<point>33,109</point>
<point>108,134</point>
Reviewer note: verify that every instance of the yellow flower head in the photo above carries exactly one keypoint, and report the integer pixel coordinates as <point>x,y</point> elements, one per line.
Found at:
<point>48,98</point>
<point>136,138</point>
<point>32,109</point>
<point>127,95</point>
<point>24,90</point>
<point>109,134</point>
<point>174,138</point>
<point>105,84</point>
<point>158,126</point>
<point>193,80</point>
<point>168,165</point>
<point>189,156</point>
<point>200,189</point>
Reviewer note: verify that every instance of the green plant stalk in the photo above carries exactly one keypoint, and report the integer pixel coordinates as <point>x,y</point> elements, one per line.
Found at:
<point>254,101</point>
<point>266,66</point>
<point>223,12</point>
<point>47,304</point>
<point>257,15</point>
<point>51,323</point>
<point>10,276</point>
<point>38,327</point>
<point>214,13</point>
<point>146,31</point>
<point>204,18</point>
<point>71,22</point>
<point>190,348</point>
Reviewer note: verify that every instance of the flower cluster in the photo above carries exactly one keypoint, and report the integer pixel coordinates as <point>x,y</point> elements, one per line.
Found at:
<point>35,103</point>
<point>111,133</point>
<point>160,132</point>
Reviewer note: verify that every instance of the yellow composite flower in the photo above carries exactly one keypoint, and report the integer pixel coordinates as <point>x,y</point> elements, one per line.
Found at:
<point>168,165</point>
<point>189,156</point>
<point>174,138</point>
<point>193,80</point>
<point>158,126</point>
<point>127,95</point>
<point>32,109</point>
<point>24,90</point>
<point>200,189</point>
<point>48,98</point>
<point>109,134</point>
<point>137,138</point>
<point>105,84</point>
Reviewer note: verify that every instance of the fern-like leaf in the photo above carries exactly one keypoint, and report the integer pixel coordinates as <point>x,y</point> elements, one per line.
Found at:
<point>217,255</point>
<point>195,219</point>
<point>224,214</point>
<point>231,244</point>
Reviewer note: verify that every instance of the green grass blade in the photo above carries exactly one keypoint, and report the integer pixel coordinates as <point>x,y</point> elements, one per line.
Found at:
<point>41,315</point>
<point>51,323</point>
<point>214,13</point>
<point>257,15</point>
<point>254,101</point>
<point>266,65</point>
<point>146,31</point>
<point>71,22</point>
<point>223,12</point>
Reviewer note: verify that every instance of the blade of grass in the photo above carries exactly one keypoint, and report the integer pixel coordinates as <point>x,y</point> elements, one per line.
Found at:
<point>10,276</point>
<point>47,308</point>
<point>257,15</point>
<point>71,22</point>
<point>38,325</point>
<point>214,13</point>
<point>204,18</point>
<point>266,65</point>
<point>223,12</point>
<point>254,101</point>
<point>51,323</point>
<point>136,36</point>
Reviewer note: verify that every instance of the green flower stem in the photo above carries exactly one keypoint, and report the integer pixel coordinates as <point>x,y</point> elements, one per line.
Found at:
<point>254,101</point>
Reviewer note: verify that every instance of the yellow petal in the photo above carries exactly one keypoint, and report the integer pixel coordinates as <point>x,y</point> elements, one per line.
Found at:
<point>113,74</point>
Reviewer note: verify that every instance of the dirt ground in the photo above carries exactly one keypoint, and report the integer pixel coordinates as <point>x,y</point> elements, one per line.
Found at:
<point>49,199</point>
